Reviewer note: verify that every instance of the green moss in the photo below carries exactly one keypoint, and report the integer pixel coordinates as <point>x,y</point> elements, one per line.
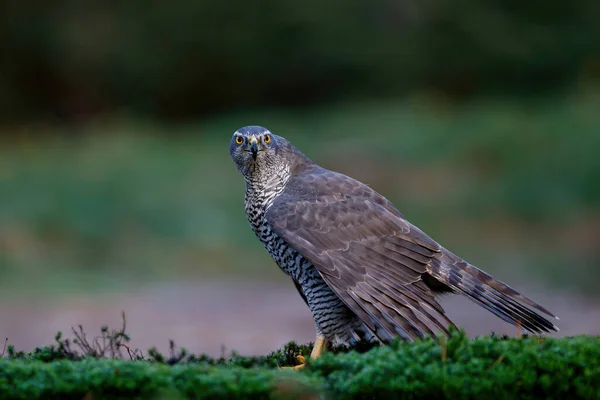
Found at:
<point>456,368</point>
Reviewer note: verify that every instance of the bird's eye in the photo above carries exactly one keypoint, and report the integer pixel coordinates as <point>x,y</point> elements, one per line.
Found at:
<point>267,139</point>
<point>239,140</point>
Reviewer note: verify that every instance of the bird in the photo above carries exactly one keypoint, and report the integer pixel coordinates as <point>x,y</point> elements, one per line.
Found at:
<point>364,271</point>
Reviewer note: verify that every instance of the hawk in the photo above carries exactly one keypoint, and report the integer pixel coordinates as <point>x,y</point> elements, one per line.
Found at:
<point>363,270</point>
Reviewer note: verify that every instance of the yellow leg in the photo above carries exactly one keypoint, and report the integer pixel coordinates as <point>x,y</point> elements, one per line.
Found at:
<point>318,348</point>
<point>320,344</point>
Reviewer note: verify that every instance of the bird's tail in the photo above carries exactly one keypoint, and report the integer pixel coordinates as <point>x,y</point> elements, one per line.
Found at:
<point>488,292</point>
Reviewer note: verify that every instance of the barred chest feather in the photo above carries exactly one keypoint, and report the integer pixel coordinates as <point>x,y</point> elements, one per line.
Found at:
<point>257,201</point>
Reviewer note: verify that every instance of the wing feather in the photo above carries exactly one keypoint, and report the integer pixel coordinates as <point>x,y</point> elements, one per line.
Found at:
<point>375,260</point>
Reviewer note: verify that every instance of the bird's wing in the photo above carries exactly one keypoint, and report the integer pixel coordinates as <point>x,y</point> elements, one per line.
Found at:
<point>376,261</point>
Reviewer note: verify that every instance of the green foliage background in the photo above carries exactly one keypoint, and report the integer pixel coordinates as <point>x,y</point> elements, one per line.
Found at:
<point>185,58</point>
<point>499,181</point>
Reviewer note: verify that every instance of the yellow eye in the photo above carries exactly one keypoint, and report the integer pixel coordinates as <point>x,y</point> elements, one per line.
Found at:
<point>267,139</point>
<point>239,140</point>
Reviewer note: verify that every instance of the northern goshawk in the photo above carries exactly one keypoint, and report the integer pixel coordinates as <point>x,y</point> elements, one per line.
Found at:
<point>364,271</point>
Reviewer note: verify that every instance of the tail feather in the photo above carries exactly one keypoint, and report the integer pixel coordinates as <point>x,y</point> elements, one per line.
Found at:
<point>491,294</point>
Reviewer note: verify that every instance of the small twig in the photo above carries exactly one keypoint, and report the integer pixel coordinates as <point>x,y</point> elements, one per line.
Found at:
<point>128,351</point>
<point>498,361</point>
<point>99,349</point>
<point>83,343</point>
<point>172,349</point>
<point>4,349</point>
<point>139,355</point>
<point>124,327</point>
<point>118,337</point>
<point>108,344</point>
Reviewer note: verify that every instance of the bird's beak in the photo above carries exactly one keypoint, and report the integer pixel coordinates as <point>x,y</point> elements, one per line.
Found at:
<point>254,147</point>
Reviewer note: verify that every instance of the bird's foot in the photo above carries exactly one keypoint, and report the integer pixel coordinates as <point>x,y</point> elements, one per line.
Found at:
<point>320,344</point>
<point>302,364</point>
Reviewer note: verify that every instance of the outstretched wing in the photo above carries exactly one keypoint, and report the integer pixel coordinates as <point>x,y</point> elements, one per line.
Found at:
<point>381,266</point>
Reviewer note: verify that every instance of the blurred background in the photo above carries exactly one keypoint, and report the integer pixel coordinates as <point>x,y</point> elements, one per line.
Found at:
<point>479,120</point>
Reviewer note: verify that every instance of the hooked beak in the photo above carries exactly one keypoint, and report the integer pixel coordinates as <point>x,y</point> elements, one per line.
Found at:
<point>254,147</point>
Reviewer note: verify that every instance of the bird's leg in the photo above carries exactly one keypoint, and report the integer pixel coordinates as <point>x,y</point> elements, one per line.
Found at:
<point>319,346</point>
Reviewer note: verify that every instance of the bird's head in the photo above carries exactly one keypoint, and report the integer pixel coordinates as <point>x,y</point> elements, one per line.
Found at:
<point>256,151</point>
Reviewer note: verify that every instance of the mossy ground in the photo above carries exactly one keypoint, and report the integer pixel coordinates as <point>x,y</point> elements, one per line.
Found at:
<point>439,368</point>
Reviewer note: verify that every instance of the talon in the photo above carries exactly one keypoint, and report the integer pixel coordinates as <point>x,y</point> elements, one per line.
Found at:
<point>302,362</point>
<point>317,350</point>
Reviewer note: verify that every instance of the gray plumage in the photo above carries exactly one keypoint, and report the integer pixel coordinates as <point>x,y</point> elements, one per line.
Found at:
<point>363,270</point>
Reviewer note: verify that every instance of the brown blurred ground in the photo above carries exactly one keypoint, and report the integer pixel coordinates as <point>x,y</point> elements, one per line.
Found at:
<point>251,318</point>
